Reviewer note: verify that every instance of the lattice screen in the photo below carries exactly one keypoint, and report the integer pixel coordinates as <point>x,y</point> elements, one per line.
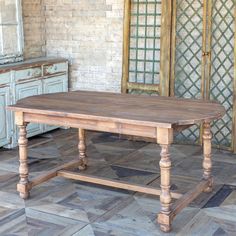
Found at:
<point>188,57</point>
<point>222,76</point>
<point>144,59</point>
<point>204,30</point>
<point>188,65</point>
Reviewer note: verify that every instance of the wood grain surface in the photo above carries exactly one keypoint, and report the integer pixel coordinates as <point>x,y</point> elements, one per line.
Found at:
<point>132,109</point>
<point>154,117</point>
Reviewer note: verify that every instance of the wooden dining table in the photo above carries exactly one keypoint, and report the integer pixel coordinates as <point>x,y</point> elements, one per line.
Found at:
<point>152,117</point>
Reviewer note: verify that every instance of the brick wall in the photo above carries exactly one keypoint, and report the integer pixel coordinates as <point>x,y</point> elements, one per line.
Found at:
<point>87,32</point>
<point>34,28</point>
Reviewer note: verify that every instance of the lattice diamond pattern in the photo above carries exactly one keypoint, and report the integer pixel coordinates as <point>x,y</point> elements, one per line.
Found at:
<point>144,60</point>
<point>189,136</point>
<point>223,67</point>
<point>188,57</point>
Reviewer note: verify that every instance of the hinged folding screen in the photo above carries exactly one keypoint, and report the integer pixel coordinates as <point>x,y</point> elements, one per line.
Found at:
<point>204,61</point>
<point>184,48</point>
<point>188,39</point>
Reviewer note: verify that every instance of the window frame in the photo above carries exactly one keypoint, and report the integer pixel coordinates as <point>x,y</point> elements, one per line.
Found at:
<point>18,55</point>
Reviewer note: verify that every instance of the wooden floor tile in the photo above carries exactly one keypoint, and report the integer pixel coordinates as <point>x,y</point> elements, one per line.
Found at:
<point>69,207</point>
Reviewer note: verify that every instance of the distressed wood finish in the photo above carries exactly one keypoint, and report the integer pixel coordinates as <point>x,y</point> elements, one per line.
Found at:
<point>52,173</point>
<point>32,63</point>
<point>114,183</point>
<point>165,138</point>
<point>173,49</point>
<point>143,87</point>
<point>23,185</point>
<point>207,159</point>
<point>28,78</point>
<point>82,150</point>
<point>126,44</point>
<point>141,8</point>
<point>187,198</point>
<point>165,197</point>
<point>157,117</point>
<point>165,64</point>
<point>120,109</point>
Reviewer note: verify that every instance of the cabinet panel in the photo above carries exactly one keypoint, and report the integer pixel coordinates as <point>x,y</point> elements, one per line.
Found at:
<point>5,78</point>
<point>5,118</point>
<point>29,78</point>
<point>26,90</point>
<point>54,85</point>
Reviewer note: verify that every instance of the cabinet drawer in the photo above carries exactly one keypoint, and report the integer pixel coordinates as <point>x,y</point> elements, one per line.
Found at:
<point>55,68</point>
<point>5,78</point>
<point>28,73</point>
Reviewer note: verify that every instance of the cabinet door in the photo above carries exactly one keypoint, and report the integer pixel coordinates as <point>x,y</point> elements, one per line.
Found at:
<point>5,117</point>
<point>26,90</point>
<point>55,85</point>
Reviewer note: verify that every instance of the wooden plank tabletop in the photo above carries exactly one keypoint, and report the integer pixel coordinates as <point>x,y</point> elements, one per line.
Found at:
<point>134,109</point>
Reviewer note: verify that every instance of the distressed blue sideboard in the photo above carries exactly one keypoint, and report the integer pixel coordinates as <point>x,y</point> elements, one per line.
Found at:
<point>28,78</point>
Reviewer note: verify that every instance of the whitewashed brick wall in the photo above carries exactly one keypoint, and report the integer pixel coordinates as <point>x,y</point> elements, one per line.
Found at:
<point>87,32</point>
<point>34,28</point>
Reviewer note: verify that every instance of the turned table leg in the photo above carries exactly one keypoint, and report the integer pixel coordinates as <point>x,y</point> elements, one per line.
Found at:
<point>165,138</point>
<point>82,150</point>
<point>165,197</point>
<point>207,159</point>
<point>23,185</point>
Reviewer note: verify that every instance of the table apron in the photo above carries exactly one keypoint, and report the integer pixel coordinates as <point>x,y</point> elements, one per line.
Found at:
<point>95,125</point>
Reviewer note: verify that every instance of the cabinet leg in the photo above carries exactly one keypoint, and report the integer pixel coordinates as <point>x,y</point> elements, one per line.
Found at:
<point>207,158</point>
<point>82,150</point>
<point>164,218</point>
<point>23,185</point>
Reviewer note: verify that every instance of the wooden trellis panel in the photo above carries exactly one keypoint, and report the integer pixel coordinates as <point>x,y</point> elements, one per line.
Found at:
<point>222,70</point>
<point>188,57</point>
<point>145,42</point>
<point>184,48</point>
<point>204,62</point>
<point>142,39</point>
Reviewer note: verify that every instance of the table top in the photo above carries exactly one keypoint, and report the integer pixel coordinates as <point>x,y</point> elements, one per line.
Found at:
<point>125,108</point>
